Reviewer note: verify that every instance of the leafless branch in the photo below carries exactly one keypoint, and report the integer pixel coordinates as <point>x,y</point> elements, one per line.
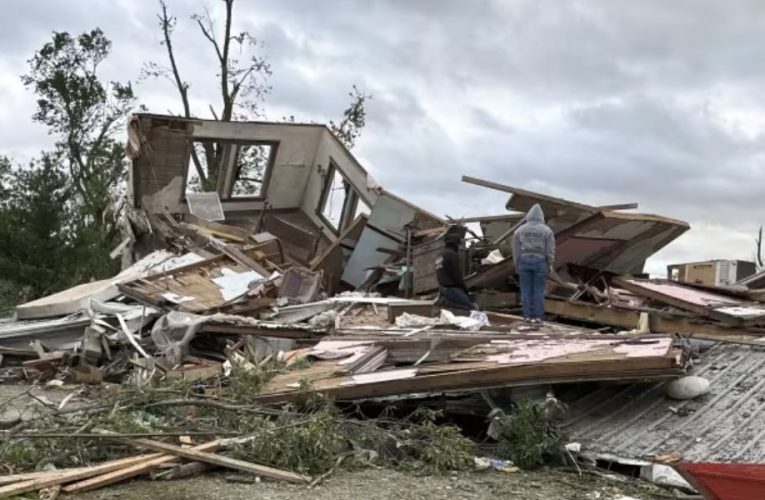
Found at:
<point>167,22</point>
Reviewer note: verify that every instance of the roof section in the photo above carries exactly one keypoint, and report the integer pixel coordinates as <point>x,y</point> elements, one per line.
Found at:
<point>596,237</point>
<point>638,421</point>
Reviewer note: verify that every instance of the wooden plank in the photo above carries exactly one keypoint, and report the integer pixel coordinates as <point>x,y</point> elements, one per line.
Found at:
<point>627,318</point>
<point>454,378</point>
<point>133,470</point>
<point>529,194</point>
<point>242,258</point>
<point>219,460</point>
<point>457,381</point>
<point>227,231</point>
<point>74,475</point>
<point>635,287</point>
<point>281,332</point>
<point>620,206</point>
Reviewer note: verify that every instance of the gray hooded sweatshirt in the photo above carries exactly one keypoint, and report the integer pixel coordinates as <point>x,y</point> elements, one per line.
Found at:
<point>534,238</point>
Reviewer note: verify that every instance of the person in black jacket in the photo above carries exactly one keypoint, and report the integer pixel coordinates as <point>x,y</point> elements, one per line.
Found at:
<point>451,283</point>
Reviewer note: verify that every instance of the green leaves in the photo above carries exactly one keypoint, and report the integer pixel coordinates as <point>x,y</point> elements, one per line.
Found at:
<point>58,221</point>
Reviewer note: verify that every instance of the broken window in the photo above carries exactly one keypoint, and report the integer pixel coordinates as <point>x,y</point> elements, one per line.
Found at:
<point>340,203</point>
<point>362,209</point>
<point>250,169</point>
<point>206,156</point>
<point>234,169</point>
<point>334,198</point>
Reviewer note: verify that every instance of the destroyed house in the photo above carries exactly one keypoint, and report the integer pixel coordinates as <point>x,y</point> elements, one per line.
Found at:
<point>241,236</point>
<point>297,182</point>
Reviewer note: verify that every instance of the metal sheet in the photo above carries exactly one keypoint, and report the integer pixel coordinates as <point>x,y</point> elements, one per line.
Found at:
<point>365,256</point>
<point>638,421</point>
<point>60,333</point>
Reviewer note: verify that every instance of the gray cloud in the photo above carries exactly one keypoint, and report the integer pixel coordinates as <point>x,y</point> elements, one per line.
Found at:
<point>607,101</point>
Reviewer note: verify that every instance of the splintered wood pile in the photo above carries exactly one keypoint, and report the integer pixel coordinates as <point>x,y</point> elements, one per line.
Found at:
<point>443,362</point>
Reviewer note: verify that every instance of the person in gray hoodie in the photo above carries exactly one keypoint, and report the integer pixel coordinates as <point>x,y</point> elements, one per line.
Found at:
<point>534,256</point>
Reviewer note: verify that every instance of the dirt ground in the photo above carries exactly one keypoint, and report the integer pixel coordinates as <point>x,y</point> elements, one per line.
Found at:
<point>373,484</point>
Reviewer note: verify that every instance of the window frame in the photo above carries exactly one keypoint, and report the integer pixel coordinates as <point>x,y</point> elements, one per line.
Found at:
<point>225,174</point>
<point>354,196</point>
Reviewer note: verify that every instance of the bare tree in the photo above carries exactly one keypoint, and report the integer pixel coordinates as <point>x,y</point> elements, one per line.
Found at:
<point>758,255</point>
<point>243,82</point>
<point>242,73</point>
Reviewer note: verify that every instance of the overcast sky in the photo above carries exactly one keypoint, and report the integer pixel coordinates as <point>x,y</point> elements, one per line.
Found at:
<point>660,103</point>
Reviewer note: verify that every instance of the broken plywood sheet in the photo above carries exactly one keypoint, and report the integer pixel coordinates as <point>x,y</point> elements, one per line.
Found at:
<point>704,303</point>
<point>198,287</point>
<point>508,352</point>
<point>597,360</point>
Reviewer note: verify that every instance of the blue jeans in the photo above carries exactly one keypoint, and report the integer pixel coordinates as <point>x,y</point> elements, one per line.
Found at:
<point>532,271</point>
<point>457,298</point>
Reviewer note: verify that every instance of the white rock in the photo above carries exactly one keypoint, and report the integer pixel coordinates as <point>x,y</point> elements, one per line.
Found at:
<point>689,387</point>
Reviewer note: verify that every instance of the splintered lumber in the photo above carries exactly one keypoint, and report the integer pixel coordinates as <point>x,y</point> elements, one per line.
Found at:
<point>219,460</point>
<point>499,363</point>
<point>56,478</point>
<point>702,302</point>
<point>133,470</point>
<point>660,322</point>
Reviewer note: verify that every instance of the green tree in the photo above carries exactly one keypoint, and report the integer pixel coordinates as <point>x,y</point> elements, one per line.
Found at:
<point>35,234</point>
<point>85,114</point>
<point>354,119</point>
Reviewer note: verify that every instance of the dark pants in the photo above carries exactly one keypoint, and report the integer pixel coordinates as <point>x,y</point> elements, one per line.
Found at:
<point>457,298</point>
<point>532,271</point>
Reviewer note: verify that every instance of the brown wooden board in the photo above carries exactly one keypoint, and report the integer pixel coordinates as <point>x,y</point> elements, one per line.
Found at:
<point>704,303</point>
<point>660,322</point>
<point>219,460</point>
<point>193,280</point>
<point>70,476</point>
<point>599,362</point>
<point>132,470</point>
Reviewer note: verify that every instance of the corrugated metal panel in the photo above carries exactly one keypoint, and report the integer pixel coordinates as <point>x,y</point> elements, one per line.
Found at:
<point>638,421</point>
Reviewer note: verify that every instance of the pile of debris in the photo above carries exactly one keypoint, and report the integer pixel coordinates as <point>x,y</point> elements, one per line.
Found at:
<point>299,278</point>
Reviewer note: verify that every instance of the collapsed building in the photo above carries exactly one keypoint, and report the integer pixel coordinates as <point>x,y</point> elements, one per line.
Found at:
<point>274,238</point>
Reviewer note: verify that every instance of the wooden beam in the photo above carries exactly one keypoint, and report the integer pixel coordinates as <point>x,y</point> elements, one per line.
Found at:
<point>529,194</point>
<point>636,288</point>
<point>132,470</point>
<point>627,318</point>
<point>456,377</point>
<point>232,233</point>
<point>622,206</point>
<point>487,218</point>
<point>219,460</point>
<point>242,258</point>
<point>68,477</point>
